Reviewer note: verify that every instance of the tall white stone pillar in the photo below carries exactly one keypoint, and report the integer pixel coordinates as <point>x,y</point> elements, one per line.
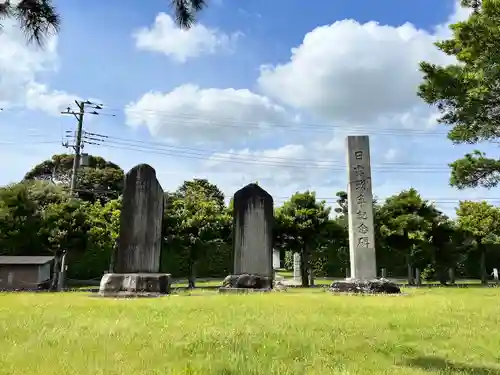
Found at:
<point>360,201</point>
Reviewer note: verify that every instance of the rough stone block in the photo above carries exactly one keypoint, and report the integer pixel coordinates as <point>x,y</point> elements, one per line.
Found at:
<point>248,281</point>
<point>375,286</point>
<point>140,283</point>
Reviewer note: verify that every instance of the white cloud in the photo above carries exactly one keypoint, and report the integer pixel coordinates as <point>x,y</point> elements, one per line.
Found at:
<point>164,36</point>
<point>391,154</point>
<point>360,74</point>
<point>191,114</point>
<point>20,65</point>
<point>352,72</point>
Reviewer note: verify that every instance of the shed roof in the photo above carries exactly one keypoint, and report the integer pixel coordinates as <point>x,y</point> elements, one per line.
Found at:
<point>35,260</point>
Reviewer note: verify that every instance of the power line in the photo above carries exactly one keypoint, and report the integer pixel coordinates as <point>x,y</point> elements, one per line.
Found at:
<point>184,118</point>
<point>231,157</point>
<point>231,122</point>
<point>328,200</point>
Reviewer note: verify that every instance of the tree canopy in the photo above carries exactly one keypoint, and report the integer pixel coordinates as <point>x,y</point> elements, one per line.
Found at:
<point>98,180</point>
<point>39,19</point>
<point>467,92</point>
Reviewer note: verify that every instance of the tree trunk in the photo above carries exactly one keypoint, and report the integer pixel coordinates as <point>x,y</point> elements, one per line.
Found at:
<point>442,276</point>
<point>451,274</point>
<point>410,270</point>
<point>55,276</point>
<point>304,267</point>
<point>191,269</point>
<point>309,267</point>
<point>484,275</point>
<point>192,276</point>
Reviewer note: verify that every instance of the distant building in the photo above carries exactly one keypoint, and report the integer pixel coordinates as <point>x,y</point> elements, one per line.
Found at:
<point>25,272</point>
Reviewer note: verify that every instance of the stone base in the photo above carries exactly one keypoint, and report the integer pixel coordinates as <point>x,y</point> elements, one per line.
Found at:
<point>242,290</point>
<point>135,284</point>
<point>375,286</point>
<point>248,281</point>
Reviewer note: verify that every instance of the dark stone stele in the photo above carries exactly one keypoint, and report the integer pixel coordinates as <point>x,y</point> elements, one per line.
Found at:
<point>135,285</point>
<point>139,244</point>
<point>136,261</point>
<point>248,277</point>
<point>376,286</point>
<point>244,199</point>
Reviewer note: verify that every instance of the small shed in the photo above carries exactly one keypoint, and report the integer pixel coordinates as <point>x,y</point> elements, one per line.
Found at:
<point>25,272</point>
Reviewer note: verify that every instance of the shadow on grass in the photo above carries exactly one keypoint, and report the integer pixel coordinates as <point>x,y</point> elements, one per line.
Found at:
<point>451,368</point>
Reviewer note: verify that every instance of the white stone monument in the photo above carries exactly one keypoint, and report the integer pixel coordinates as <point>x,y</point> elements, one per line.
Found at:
<point>276,259</point>
<point>360,200</point>
<point>297,275</point>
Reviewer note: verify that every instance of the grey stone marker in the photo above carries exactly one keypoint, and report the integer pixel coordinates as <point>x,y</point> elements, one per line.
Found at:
<point>297,273</point>
<point>276,259</point>
<point>253,222</point>
<point>361,228</point>
<point>363,277</point>
<point>136,263</point>
<point>384,273</point>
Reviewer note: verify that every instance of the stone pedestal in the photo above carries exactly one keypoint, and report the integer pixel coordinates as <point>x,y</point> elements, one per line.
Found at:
<point>134,284</point>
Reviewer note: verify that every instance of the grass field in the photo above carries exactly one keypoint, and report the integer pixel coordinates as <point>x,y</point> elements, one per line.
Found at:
<point>432,331</point>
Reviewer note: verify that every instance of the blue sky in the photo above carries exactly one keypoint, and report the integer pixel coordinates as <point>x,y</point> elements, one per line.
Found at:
<point>258,90</point>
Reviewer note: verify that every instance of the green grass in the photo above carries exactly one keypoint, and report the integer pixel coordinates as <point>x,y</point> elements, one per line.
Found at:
<point>429,331</point>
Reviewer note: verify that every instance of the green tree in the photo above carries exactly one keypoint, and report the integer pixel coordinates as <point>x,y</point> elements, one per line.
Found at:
<point>481,221</point>
<point>467,93</point>
<point>405,220</point>
<point>98,180</point>
<point>39,19</point>
<point>342,203</point>
<point>300,223</point>
<point>20,221</point>
<point>197,222</point>
<point>64,228</point>
<point>446,246</point>
<point>205,188</point>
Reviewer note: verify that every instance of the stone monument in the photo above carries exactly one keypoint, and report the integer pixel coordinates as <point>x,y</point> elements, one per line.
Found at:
<point>363,266</point>
<point>253,222</point>
<point>276,259</point>
<point>297,272</point>
<point>136,262</point>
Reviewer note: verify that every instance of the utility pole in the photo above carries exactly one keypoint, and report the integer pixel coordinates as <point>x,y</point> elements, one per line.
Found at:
<point>78,146</point>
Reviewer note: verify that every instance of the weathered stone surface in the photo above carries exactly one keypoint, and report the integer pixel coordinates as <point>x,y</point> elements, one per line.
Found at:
<point>138,283</point>
<point>374,286</point>
<point>360,208</point>
<point>247,281</point>
<point>253,219</point>
<point>139,245</point>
